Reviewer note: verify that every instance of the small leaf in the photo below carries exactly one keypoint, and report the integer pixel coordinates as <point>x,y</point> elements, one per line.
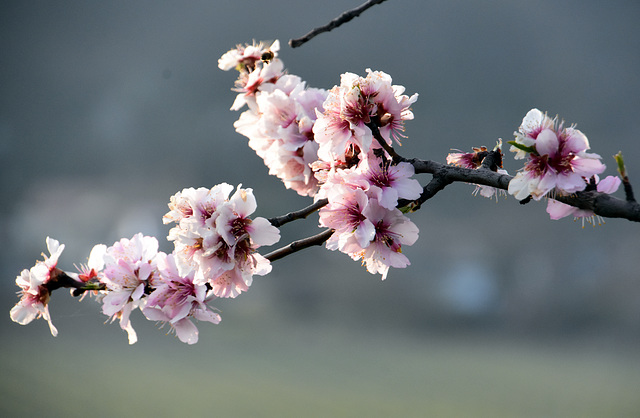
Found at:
<point>620,161</point>
<point>530,150</point>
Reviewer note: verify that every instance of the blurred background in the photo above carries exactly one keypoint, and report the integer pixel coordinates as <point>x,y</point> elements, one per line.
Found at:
<point>109,108</point>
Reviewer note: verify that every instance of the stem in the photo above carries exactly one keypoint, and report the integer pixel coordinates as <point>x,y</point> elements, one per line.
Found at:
<point>296,246</point>
<point>343,18</point>
<point>278,221</point>
<point>388,148</point>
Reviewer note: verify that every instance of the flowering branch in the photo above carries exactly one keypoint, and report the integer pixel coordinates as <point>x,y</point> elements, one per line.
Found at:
<point>601,204</point>
<point>343,18</point>
<point>375,131</point>
<point>335,146</point>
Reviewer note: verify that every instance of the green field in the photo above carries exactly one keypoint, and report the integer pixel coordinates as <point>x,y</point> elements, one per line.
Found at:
<point>299,370</point>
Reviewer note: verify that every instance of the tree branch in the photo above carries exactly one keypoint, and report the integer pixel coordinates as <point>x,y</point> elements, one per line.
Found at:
<point>278,221</point>
<point>601,204</point>
<point>296,246</point>
<point>375,131</point>
<point>343,18</point>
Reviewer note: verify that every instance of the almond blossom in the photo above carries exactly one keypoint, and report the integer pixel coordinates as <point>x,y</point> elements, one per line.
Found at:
<point>221,247</point>
<point>558,210</point>
<point>34,292</point>
<point>353,105</point>
<point>558,160</point>
<point>129,267</point>
<point>345,214</point>
<point>280,118</point>
<point>392,231</point>
<point>473,160</point>
<point>389,182</point>
<point>177,299</point>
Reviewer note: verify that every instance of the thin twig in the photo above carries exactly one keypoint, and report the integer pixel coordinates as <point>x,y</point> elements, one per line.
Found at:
<point>278,221</point>
<point>383,143</point>
<point>296,246</point>
<point>628,190</point>
<point>343,18</point>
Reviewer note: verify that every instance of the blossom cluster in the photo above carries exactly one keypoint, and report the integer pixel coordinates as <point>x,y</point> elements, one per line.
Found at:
<point>558,164</point>
<point>215,237</point>
<point>321,143</point>
<point>34,292</point>
<point>280,116</point>
<point>333,145</point>
<point>362,183</point>
<point>215,242</point>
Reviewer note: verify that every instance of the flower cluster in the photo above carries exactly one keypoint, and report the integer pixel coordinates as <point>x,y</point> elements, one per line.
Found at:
<point>321,144</point>
<point>135,275</point>
<point>216,238</point>
<point>361,182</point>
<point>557,158</point>
<point>353,106</point>
<point>215,256</point>
<point>281,114</point>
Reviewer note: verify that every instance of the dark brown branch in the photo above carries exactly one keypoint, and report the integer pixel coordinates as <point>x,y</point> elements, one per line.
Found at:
<point>296,246</point>
<point>601,204</point>
<point>343,18</point>
<point>278,221</point>
<point>375,131</point>
<point>61,279</point>
<point>628,190</point>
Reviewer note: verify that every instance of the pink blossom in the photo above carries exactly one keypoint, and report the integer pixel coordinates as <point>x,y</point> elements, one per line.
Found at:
<point>558,159</point>
<point>354,104</point>
<point>130,266</point>
<point>392,231</point>
<point>262,78</point>
<point>279,127</point>
<point>177,300</point>
<point>247,55</point>
<point>197,205</point>
<point>34,293</point>
<point>558,210</point>
<point>222,251</point>
<point>388,183</point>
<point>473,160</point>
<point>345,214</point>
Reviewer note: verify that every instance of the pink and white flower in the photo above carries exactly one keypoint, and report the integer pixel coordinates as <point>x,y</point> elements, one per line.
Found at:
<point>177,299</point>
<point>354,104</point>
<point>392,231</point>
<point>558,160</point>
<point>388,182</point>
<point>130,266</point>
<point>345,213</point>
<point>558,210</point>
<point>34,293</point>
<point>244,56</point>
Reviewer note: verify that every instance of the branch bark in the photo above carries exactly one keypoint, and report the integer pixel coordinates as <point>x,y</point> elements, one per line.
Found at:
<point>343,18</point>
<point>296,246</point>
<point>601,204</point>
<point>278,221</point>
